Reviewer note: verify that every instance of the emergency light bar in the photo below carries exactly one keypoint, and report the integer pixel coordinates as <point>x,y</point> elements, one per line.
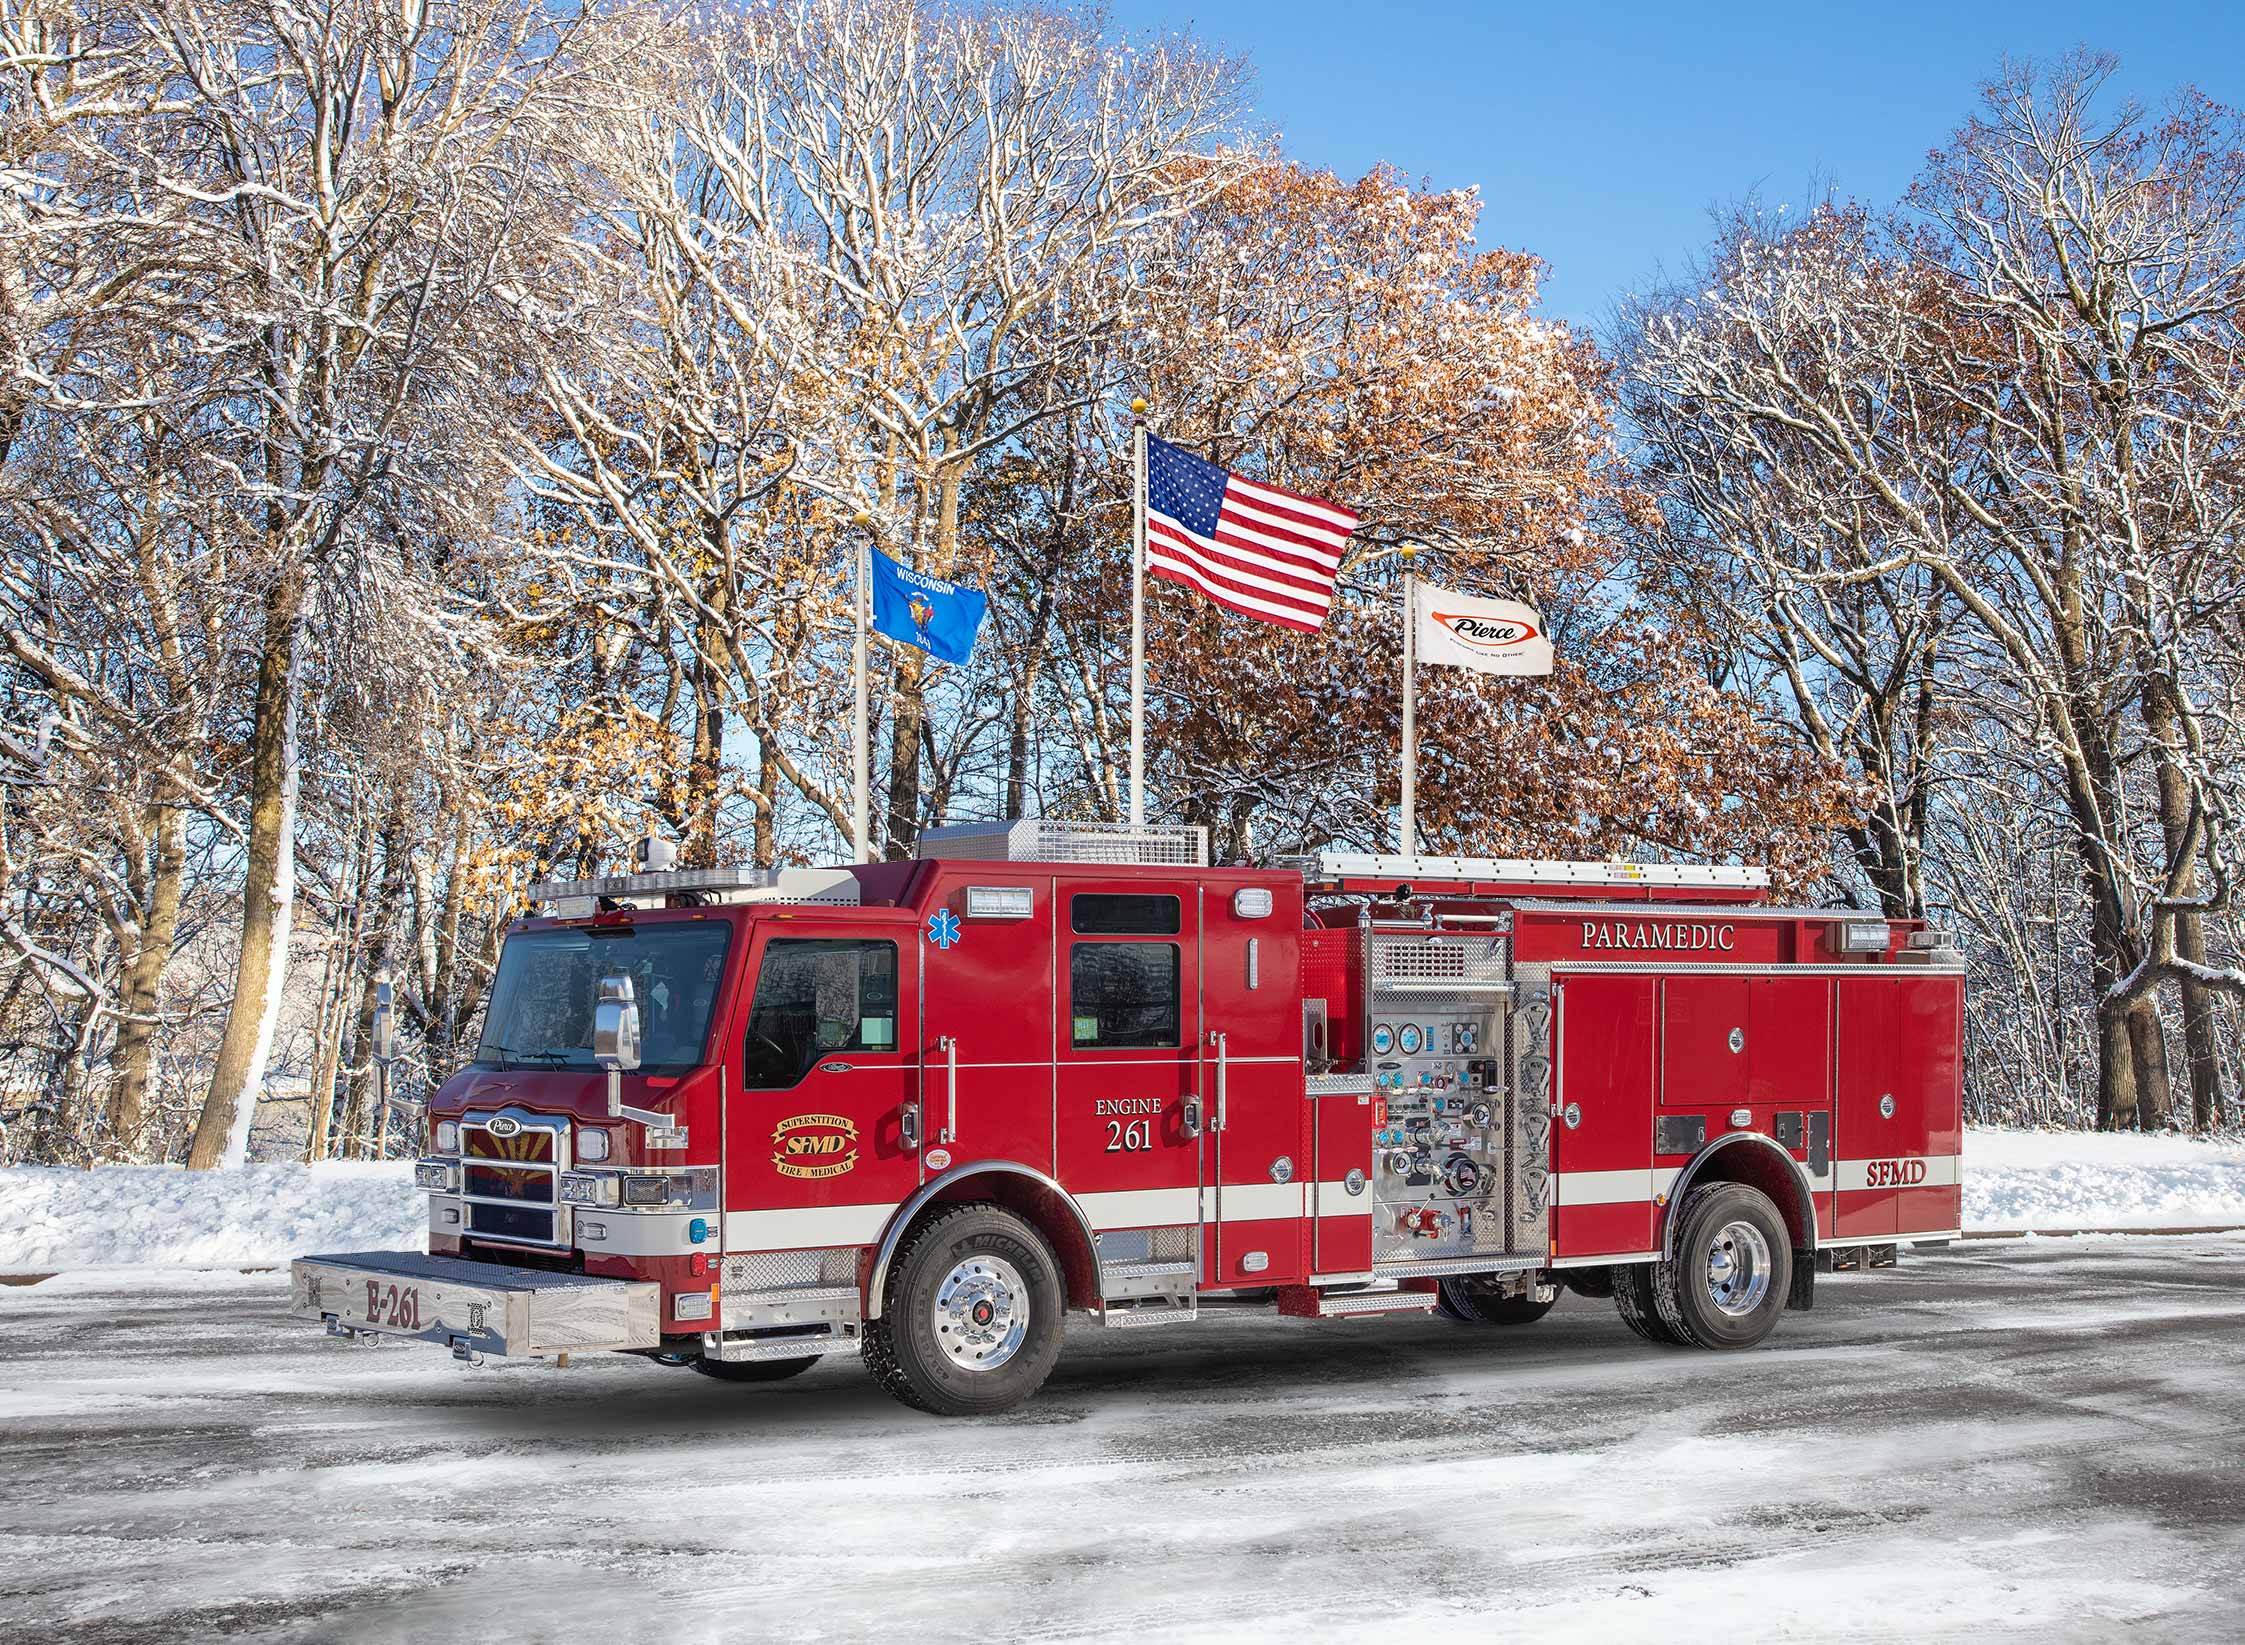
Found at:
<point>1325,866</point>
<point>735,885</point>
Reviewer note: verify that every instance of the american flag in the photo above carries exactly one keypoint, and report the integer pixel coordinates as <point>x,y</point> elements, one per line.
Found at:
<point>1256,549</point>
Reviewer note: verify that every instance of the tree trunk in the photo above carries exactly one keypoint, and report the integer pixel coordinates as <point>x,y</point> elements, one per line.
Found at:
<point>764,848</point>
<point>327,1056</point>
<point>2147,1045</point>
<point>705,767</point>
<point>377,940</point>
<point>907,711</point>
<point>135,1053</point>
<point>2116,1078</point>
<point>2201,1041</point>
<point>2201,1032</point>
<point>268,888</point>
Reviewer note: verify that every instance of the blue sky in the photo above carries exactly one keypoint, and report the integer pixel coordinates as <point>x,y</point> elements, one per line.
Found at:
<point>1599,136</point>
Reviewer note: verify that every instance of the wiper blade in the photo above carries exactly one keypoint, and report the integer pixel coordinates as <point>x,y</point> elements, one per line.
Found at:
<point>507,1053</point>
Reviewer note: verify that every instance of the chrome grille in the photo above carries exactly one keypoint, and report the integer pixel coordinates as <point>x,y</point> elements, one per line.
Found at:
<point>511,1164</point>
<point>1420,962</point>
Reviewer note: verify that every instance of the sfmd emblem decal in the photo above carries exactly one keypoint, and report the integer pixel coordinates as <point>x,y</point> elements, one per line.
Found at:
<point>814,1146</point>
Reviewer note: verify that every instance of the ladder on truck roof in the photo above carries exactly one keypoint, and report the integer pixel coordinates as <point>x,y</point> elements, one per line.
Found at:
<point>1335,868</point>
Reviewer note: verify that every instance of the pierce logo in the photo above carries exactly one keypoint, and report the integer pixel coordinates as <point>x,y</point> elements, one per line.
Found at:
<point>814,1146</point>
<point>1487,633</point>
<point>1894,1173</point>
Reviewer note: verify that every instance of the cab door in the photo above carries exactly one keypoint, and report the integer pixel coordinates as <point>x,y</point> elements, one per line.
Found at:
<point>1128,1090</point>
<point>821,1067</point>
<point>1251,1051</point>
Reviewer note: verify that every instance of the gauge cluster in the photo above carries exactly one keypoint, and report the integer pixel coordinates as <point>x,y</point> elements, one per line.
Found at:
<point>1438,1139</point>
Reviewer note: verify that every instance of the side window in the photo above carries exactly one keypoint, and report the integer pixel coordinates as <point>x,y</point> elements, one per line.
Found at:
<point>1123,994</point>
<point>1133,914</point>
<point>816,995</point>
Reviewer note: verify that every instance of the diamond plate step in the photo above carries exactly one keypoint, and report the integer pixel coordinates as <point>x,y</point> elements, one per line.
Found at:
<point>1151,1313</point>
<point>1300,1302</point>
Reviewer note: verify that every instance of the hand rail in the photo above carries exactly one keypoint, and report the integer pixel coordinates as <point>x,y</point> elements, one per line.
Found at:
<point>950,1049</point>
<point>1218,1041</point>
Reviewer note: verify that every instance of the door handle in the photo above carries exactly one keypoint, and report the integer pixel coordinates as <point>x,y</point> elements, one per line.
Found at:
<point>908,1126</point>
<point>1217,1041</point>
<point>1191,1116</point>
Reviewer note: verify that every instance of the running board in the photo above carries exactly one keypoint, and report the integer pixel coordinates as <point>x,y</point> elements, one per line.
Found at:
<point>1301,1302</point>
<point>1116,1314</point>
<point>838,1337</point>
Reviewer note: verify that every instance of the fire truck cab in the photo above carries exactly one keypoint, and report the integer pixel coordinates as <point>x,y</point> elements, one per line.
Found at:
<point>924,1110</point>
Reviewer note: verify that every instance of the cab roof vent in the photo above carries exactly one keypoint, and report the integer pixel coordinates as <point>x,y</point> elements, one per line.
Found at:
<point>1044,839</point>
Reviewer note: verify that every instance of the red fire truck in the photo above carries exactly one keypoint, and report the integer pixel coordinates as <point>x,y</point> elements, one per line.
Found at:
<point>924,1110</point>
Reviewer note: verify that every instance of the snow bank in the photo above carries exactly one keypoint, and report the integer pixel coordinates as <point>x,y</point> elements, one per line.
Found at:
<point>261,1215</point>
<point>254,1216</point>
<point>2087,1179</point>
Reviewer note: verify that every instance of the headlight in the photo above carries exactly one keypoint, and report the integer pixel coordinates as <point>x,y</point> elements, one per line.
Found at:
<point>592,1146</point>
<point>434,1175</point>
<point>646,1190</point>
<point>448,1136</point>
<point>583,1190</point>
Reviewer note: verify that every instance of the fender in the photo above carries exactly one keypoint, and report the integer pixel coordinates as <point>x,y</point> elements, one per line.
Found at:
<point>894,1236</point>
<point>1802,1185</point>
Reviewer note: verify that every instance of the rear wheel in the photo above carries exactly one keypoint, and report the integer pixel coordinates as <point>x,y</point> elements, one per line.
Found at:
<point>753,1370</point>
<point>1633,1300</point>
<point>1727,1283</point>
<point>971,1317</point>
<point>1474,1299</point>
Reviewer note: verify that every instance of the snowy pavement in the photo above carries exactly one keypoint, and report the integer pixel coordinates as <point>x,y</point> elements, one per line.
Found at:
<point>2009,1441</point>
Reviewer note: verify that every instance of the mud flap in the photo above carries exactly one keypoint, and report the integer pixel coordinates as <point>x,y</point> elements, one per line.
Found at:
<point>1803,1292</point>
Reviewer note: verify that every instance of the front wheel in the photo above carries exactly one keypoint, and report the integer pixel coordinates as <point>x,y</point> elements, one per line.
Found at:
<point>1727,1283</point>
<point>971,1317</point>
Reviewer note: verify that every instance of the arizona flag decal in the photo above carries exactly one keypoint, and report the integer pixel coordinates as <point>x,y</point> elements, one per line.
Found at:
<point>1494,636</point>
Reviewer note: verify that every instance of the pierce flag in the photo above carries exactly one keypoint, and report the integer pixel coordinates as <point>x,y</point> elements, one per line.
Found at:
<point>939,617</point>
<point>1493,636</point>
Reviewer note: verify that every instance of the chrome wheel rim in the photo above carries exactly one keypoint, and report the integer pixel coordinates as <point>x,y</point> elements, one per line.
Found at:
<point>981,1313</point>
<point>1738,1269</point>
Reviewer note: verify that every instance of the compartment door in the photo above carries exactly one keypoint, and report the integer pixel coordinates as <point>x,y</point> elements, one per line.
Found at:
<point>1704,1036</point>
<point>1601,1163</point>
<point>1899,1095</point>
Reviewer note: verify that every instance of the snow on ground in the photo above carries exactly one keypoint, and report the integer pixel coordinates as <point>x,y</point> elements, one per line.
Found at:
<point>2008,1443</point>
<point>123,1216</point>
<point>2087,1179</point>
<point>261,1215</point>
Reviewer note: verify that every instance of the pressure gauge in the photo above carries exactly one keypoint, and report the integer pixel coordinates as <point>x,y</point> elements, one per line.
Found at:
<point>1411,1039</point>
<point>1383,1039</point>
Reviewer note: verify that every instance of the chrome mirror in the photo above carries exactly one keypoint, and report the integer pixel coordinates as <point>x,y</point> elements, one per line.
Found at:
<point>615,1026</point>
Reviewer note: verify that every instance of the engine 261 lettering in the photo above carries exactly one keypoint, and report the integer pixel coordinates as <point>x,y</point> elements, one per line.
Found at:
<point>1126,1135</point>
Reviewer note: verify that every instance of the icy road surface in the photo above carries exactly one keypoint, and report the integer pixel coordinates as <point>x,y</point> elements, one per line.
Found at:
<point>2004,1441</point>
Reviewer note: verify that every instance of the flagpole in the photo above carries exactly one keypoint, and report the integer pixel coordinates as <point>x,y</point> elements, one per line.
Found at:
<point>1137,613</point>
<point>861,801</point>
<point>1410,702</point>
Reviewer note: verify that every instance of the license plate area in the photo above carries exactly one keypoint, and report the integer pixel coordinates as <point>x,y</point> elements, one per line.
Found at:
<point>485,1308</point>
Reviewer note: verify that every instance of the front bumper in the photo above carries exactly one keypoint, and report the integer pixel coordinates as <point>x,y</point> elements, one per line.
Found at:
<point>475,1307</point>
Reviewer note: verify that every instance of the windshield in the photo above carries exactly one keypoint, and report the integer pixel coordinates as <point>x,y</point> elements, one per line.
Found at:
<point>542,998</point>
